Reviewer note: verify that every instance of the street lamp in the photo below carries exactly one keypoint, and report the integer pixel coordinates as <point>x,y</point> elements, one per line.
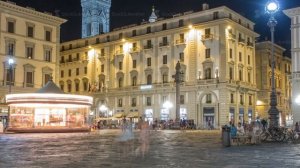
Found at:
<point>271,8</point>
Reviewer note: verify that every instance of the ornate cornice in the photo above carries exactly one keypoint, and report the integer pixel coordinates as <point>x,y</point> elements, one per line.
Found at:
<point>26,12</point>
<point>292,12</point>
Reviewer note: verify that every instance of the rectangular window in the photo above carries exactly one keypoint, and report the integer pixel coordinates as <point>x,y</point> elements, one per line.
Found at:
<point>148,29</point>
<point>133,63</point>
<point>88,29</point>
<point>165,59</point>
<point>120,35</point>
<point>216,15</point>
<point>133,33</point>
<point>11,27</point>
<point>102,52</point>
<point>148,101</point>
<point>107,38</point>
<point>62,74</point>
<point>10,49</point>
<point>47,78</point>
<point>29,79</point>
<point>30,31</point>
<point>48,55</point>
<point>48,35</point>
<point>207,31</point>
<point>230,53</point>
<point>120,65</point>
<point>149,44</point>
<point>240,56</point>
<point>85,70</point>
<point>97,40</point>
<point>240,75</point>
<point>133,102</point>
<point>164,26</point>
<point>181,23</point>
<point>181,99</point>
<point>181,57</point>
<point>77,86</point>
<point>77,71</point>
<point>208,98</point>
<point>241,99</point>
<point>148,61</point>
<point>231,73</point>
<point>62,59</point>
<point>70,72</point>
<point>250,100</point>
<point>207,53</point>
<point>120,102</point>
<point>249,77</point>
<point>231,98</point>
<point>29,52</point>
<point>165,40</point>
<point>165,78</point>
<point>102,68</point>
<point>69,87</point>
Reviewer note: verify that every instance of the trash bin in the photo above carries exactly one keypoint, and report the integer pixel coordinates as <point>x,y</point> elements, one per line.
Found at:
<point>226,136</point>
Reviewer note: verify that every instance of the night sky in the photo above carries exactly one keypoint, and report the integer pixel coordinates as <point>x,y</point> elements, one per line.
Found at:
<point>125,12</point>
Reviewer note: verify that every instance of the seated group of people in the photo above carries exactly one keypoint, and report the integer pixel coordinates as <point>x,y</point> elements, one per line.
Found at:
<point>251,131</point>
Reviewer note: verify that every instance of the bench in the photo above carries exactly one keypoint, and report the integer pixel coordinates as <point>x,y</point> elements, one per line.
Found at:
<point>241,139</point>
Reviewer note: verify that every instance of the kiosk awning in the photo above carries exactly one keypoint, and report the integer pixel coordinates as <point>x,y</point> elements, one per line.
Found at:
<point>133,115</point>
<point>119,115</point>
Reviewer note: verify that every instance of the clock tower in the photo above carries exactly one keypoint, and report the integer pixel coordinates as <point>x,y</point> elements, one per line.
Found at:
<point>95,17</point>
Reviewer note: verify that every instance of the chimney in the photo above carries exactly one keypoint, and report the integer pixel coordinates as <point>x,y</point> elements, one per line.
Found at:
<point>205,6</point>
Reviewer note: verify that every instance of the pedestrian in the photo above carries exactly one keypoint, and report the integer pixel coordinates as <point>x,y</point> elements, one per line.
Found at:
<point>297,128</point>
<point>240,130</point>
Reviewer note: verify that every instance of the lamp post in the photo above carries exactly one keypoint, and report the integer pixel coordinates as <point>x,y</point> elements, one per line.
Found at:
<point>271,8</point>
<point>10,63</point>
<point>103,109</point>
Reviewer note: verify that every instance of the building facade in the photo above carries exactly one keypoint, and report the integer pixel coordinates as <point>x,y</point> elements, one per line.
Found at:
<point>129,70</point>
<point>95,17</point>
<point>282,81</point>
<point>294,14</point>
<point>31,40</point>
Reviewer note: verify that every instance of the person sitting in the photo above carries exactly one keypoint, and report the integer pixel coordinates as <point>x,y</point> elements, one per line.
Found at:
<point>233,131</point>
<point>240,130</point>
<point>297,128</point>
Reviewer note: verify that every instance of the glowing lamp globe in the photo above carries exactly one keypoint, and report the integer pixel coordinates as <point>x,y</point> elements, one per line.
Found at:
<point>272,7</point>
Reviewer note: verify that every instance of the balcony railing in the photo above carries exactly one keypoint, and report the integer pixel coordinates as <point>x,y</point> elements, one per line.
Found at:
<point>241,40</point>
<point>231,36</point>
<point>250,44</point>
<point>134,50</point>
<point>207,37</point>
<point>119,52</point>
<point>180,41</point>
<point>163,44</point>
<point>146,47</point>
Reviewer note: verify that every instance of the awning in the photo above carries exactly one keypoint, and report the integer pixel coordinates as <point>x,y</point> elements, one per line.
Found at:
<point>119,115</point>
<point>133,115</point>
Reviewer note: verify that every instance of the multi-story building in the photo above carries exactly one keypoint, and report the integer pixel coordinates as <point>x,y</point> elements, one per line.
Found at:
<point>31,39</point>
<point>294,14</point>
<point>282,81</point>
<point>129,70</point>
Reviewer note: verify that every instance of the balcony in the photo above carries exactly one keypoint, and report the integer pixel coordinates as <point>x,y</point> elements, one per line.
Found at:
<point>101,57</point>
<point>164,44</point>
<point>148,47</point>
<point>207,37</point>
<point>119,54</point>
<point>250,44</point>
<point>241,41</point>
<point>134,50</point>
<point>180,42</point>
<point>231,36</point>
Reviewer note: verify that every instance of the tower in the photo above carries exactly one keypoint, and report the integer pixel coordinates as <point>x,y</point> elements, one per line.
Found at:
<point>95,17</point>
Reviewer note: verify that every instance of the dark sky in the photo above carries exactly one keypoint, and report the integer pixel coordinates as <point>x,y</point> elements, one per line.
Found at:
<point>125,12</point>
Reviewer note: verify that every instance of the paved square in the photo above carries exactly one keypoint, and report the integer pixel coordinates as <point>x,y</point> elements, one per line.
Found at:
<point>165,149</point>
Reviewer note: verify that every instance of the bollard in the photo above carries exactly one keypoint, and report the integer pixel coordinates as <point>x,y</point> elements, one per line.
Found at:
<point>226,136</point>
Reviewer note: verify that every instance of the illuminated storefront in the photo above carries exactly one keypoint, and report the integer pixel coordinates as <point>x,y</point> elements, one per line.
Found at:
<point>48,110</point>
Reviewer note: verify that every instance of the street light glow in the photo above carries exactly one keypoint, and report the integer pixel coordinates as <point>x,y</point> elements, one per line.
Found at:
<point>103,108</point>
<point>167,105</point>
<point>10,61</point>
<point>272,6</point>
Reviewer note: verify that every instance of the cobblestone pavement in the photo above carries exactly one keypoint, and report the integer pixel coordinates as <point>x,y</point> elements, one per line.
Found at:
<point>166,149</point>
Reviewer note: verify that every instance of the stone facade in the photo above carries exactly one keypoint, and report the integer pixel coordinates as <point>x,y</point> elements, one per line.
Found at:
<point>294,14</point>
<point>31,39</point>
<point>130,69</point>
<point>282,81</point>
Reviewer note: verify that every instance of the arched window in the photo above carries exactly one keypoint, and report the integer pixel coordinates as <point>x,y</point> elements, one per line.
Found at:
<point>85,82</point>
<point>208,73</point>
<point>69,86</point>
<point>134,81</point>
<point>101,28</point>
<point>120,82</point>
<point>149,80</point>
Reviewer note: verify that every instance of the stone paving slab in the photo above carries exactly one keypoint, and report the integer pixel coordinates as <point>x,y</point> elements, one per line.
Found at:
<point>168,148</point>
